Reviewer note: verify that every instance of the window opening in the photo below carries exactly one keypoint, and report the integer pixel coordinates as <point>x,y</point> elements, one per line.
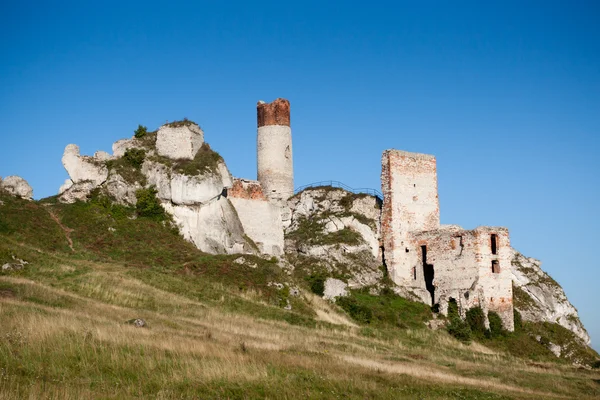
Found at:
<point>428,274</point>
<point>494,240</point>
<point>495,267</point>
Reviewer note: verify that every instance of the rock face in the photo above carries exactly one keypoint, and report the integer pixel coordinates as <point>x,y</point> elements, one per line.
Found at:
<point>334,288</point>
<point>336,232</point>
<point>83,168</point>
<point>17,186</point>
<point>539,298</point>
<point>196,200</point>
<point>179,141</point>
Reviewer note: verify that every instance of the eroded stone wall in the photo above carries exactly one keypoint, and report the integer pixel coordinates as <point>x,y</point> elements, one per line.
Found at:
<point>409,187</point>
<point>260,218</point>
<point>461,261</point>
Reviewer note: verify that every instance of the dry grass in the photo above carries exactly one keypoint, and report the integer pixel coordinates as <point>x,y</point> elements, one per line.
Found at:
<point>71,342</point>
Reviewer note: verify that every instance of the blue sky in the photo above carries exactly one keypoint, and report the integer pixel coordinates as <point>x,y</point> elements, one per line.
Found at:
<point>506,94</point>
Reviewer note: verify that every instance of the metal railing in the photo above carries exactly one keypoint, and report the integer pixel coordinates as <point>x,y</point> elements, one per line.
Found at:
<point>338,184</point>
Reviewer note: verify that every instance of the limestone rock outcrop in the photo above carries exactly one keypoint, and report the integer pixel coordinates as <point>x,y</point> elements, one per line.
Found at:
<point>194,196</point>
<point>538,297</point>
<point>338,228</point>
<point>334,288</point>
<point>17,186</point>
<point>179,140</point>
<point>83,168</point>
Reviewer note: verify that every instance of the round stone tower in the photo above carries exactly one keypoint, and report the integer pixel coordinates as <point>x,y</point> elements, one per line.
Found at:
<point>274,149</point>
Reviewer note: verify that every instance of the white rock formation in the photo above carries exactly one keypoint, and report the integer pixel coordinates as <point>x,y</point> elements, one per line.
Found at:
<point>199,189</point>
<point>17,186</point>
<point>334,288</point>
<point>102,156</point>
<point>65,186</point>
<point>83,168</point>
<point>547,300</point>
<point>120,190</point>
<point>159,176</point>
<point>181,142</point>
<point>334,210</point>
<point>77,192</point>
<point>121,146</point>
<point>213,227</point>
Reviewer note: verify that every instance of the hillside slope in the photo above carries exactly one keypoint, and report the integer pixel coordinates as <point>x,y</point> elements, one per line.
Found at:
<point>227,326</point>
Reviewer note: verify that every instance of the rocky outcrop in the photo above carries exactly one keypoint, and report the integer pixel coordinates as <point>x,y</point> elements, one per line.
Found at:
<point>213,227</point>
<point>65,186</point>
<point>334,288</point>
<point>83,168</point>
<point>193,193</point>
<point>538,297</point>
<point>179,140</point>
<point>121,191</point>
<point>338,228</point>
<point>17,186</point>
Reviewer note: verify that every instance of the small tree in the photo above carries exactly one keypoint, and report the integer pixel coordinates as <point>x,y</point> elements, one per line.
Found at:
<point>476,320</point>
<point>135,157</point>
<point>496,329</point>
<point>140,132</point>
<point>147,204</point>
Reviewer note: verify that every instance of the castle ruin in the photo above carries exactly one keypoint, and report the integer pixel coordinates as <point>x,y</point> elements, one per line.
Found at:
<point>440,263</point>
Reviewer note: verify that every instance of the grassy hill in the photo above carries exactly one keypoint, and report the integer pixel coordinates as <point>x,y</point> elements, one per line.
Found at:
<point>221,327</point>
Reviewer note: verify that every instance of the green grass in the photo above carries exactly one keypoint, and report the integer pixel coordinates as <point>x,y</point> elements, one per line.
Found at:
<point>311,231</point>
<point>386,309</point>
<point>217,327</point>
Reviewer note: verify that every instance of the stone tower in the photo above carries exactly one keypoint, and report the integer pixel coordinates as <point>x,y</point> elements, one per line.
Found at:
<point>274,150</point>
<point>409,186</point>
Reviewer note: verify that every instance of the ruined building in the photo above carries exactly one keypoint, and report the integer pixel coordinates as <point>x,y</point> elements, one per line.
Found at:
<point>440,263</point>
<point>222,214</point>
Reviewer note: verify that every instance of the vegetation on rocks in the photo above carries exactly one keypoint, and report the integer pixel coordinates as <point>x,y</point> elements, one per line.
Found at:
<point>218,327</point>
<point>129,166</point>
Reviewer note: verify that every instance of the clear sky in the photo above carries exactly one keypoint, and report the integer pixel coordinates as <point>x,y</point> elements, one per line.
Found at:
<point>506,94</point>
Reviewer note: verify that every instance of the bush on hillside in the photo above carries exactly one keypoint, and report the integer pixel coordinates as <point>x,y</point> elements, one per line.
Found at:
<point>317,283</point>
<point>140,132</point>
<point>476,320</point>
<point>148,205</point>
<point>496,329</point>
<point>456,326</point>
<point>135,157</point>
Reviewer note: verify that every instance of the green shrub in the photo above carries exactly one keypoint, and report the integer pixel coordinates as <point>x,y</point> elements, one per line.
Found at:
<point>140,132</point>
<point>135,157</point>
<point>148,205</point>
<point>518,320</point>
<point>596,364</point>
<point>496,329</point>
<point>358,312</point>
<point>476,320</point>
<point>317,283</point>
<point>456,326</point>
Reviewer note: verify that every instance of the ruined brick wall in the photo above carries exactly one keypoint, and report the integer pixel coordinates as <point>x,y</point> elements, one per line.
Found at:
<point>497,282</point>
<point>462,264</point>
<point>274,150</point>
<point>260,218</point>
<point>409,187</point>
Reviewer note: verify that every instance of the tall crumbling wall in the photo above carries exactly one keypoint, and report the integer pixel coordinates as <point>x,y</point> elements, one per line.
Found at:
<point>409,187</point>
<point>274,150</point>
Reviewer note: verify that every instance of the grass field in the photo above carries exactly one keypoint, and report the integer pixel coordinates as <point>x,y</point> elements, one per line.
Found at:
<point>217,328</point>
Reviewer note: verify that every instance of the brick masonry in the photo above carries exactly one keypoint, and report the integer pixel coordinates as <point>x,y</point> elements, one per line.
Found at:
<point>439,263</point>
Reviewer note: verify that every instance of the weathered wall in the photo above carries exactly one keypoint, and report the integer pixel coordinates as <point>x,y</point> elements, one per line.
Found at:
<point>462,265</point>
<point>181,142</point>
<point>274,150</point>
<point>409,187</point>
<point>260,218</point>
